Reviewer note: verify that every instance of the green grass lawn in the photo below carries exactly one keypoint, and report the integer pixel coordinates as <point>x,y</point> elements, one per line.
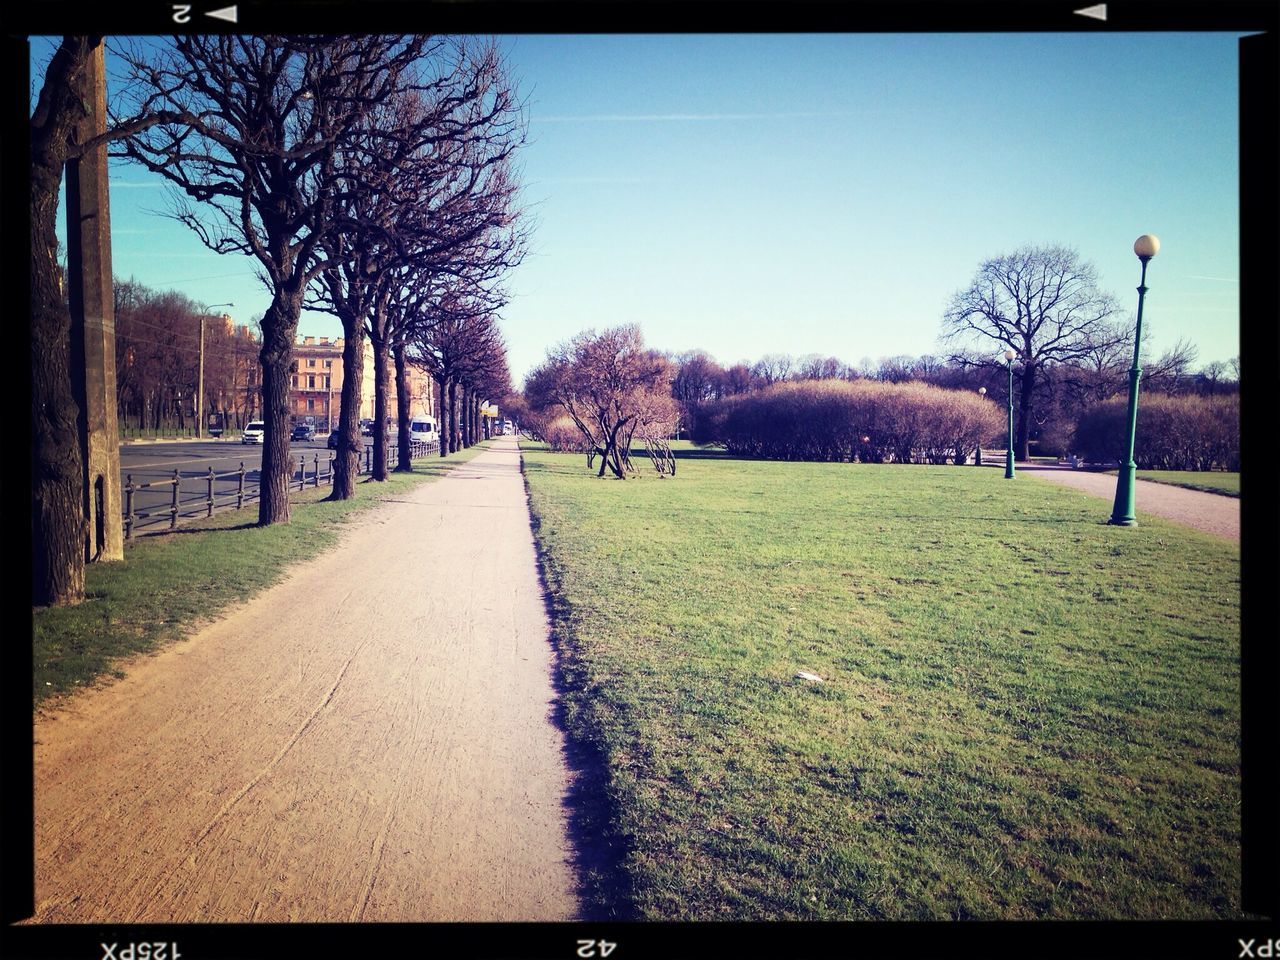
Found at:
<point>171,582</point>
<point>1212,481</point>
<point>1026,713</point>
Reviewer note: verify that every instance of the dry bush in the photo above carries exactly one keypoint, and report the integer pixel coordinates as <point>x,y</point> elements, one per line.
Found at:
<point>1174,433</point>
<point>835,420</point>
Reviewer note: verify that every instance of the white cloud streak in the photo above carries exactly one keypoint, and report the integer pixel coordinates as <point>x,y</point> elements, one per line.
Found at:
<point>1196,276</point>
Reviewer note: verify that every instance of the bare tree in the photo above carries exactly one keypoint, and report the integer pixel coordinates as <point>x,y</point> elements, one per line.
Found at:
<point>258,120</point>
<point>773,367</point>
<point>611,387</point>
<point>697,380</point>
<point>1044,303</point>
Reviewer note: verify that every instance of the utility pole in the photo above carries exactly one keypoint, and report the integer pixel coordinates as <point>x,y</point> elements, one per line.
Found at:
<point>93,325</point>
<point>200,387</point>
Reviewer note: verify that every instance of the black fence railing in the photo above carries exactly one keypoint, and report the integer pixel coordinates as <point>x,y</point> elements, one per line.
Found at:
<point>196,495</point>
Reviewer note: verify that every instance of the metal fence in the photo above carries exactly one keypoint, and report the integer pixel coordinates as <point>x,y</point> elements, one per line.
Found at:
<point>194,496</point>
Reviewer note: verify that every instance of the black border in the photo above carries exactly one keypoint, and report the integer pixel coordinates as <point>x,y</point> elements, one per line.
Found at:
<point>1260,349</point>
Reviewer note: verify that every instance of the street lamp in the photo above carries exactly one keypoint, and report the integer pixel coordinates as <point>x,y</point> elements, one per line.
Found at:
<point>1146,247</point>
<point>1008,457</point>
<point>977,457</point>
<point>200,384</point>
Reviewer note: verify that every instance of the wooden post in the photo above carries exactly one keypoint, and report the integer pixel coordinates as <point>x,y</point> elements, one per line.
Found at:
<point>209,501</point>
<point>128,507</point>
<point>93,325</point>
<point>173,510</point>
<point>240,489</point>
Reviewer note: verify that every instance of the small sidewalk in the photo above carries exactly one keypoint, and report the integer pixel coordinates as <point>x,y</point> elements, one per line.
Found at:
<point>370,740</point>
<point>1210,512</point>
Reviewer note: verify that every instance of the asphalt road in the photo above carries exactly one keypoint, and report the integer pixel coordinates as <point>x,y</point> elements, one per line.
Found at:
<point>156,462</point>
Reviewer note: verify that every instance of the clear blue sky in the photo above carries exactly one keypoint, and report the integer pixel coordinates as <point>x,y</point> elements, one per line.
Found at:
<point>749,194</point>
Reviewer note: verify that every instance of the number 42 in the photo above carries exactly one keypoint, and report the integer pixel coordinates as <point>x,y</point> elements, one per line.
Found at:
<point>595,948</point>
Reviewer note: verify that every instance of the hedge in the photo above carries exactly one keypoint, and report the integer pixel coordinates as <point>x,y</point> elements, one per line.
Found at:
<point>836,420</point>
<point>1174,433</point>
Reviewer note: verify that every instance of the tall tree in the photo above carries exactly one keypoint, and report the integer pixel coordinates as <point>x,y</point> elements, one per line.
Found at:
<point>1044,303</point>
<point>251,151</point>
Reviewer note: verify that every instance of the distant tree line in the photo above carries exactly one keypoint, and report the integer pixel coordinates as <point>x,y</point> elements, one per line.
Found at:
<point>1064,392</point>
<point>158,356</point>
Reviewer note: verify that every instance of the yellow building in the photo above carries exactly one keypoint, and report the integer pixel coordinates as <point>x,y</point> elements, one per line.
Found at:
<point>315,388</point>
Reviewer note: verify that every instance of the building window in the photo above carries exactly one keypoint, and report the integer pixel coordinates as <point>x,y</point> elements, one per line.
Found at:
<point>311,363</point>
<point>311,404</point>
<point>311,383</point>
<point>295,383</point>
<point>328,364</point>
<point>327,383</point>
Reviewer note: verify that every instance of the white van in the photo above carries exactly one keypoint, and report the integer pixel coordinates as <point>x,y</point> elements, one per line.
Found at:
<point>422,428</point>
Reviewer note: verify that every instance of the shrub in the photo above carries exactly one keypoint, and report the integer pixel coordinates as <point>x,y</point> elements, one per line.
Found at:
<point>1174,433</point>
<point>563,436</point>
<point>862,420</point>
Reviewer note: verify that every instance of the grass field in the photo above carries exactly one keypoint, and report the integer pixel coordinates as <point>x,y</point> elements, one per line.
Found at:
<point>1212,481</point>
<point>1026,713</point>
<point>170,583</point>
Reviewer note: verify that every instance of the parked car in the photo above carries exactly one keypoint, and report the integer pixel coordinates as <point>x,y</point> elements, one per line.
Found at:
<point>366,427</point>
<point>303,431</point>
<point>254,432</point>
<point>422,428</point>
<point>333,440</point>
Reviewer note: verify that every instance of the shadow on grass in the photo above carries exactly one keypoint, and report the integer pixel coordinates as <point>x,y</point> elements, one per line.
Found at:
<point>145,533</point>
<point>599,850</point>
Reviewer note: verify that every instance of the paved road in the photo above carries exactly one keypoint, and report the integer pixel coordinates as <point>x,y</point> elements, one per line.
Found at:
<point>398,766</point>
<point>156,462</point>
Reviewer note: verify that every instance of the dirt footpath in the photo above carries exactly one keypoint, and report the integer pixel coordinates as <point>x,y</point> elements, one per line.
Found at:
<point>380,752</point>
<point>1210,512</point>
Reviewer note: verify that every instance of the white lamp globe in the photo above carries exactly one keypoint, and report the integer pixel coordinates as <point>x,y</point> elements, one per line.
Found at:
<point>1146,246</point>
<point>1009,354</point>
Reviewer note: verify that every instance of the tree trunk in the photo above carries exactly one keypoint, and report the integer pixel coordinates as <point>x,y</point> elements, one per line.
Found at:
<point>1027,383</point>
<point>453,416</point>
<point>347,463</point>
<point>279,326</point>
<point>439,408</point>
<point>381,358</point>
<point>57,518</point>
<point>468,399</point>
<point>405,459</point>
<point>464,416</point>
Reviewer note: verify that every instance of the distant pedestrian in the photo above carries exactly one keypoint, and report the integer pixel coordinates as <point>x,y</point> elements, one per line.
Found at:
<point>1073,461</point>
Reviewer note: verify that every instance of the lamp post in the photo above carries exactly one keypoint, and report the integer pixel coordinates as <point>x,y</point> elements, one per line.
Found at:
<point>200,379</point>
<point>1122,515</point>
<point>977,457</point>
<point>1008,457</point>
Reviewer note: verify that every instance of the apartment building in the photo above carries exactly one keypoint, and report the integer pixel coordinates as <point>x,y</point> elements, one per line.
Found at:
<point>315,388</point>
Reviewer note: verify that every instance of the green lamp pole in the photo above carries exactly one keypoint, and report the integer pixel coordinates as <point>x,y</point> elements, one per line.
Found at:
<point>1146,247</point>
<point>977,457</point>
<point>1008,457</point>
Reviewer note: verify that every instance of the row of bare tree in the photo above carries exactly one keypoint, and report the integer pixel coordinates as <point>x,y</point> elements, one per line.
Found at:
<point>369,176</point>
